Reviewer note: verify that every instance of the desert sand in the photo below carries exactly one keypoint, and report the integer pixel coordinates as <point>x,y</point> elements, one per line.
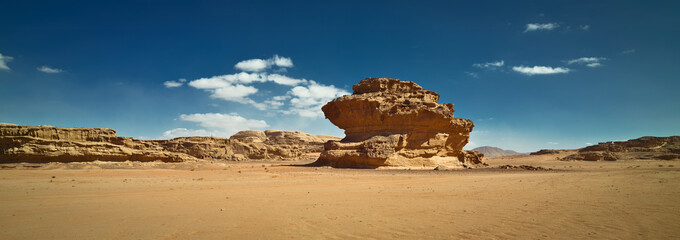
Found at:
<point>574,200</point>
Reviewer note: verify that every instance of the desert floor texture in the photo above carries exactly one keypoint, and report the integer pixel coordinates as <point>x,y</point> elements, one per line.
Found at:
<point>574,200</point>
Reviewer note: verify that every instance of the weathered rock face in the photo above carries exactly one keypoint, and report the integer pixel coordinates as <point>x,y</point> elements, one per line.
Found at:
<point>304,141</point>
<point>661,148</point>
<point>55,144</point>
<point>248,145</point>
<point>394,123</point>
<point>52,144</point>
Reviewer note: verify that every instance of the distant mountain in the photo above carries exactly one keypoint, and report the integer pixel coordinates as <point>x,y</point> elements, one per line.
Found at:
<point>495,152</point>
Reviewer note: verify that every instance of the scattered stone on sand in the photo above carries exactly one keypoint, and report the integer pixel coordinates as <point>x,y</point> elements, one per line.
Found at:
<point>441,168</point>
<point>525,167</point>
<point>548,151</point>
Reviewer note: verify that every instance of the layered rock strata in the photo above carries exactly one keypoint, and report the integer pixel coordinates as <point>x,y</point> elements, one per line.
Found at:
<point>394,123</point>
<point>249,145</point>
<point>644,148</point>
<point>56,144</point>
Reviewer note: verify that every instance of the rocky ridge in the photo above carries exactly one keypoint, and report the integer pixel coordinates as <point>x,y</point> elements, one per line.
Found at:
<point>394,123</point>
<point>644,148</point>
<point>64,144</point>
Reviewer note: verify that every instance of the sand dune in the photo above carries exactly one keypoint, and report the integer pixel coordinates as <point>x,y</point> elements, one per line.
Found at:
<point>575,200</point>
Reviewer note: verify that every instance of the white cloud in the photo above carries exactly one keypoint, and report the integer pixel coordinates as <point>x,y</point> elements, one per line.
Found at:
<point>284,80</point>
<point>540,26</point>
<point>210,83</point>
<point>227,80</point>
<point>183,132</point>
<point>306,101</point>
<point>629,51</point>
<point>273,103</point>
<point>597,64</point>
<point>539,70</point>
<point>585,60</point>
<point>232,87</point>
<point>236,88</point>
<point>223,121</point>
<point>47,69</point>
<point>259,65</point>
<point>553,143</point>
<point>3,62</point>
<point>235,93</point>
<point>585,27</point>
<point>490,65</point>
<point>588,144</point>
<point>216,124</point>
<point>280,98</point>
<point>282,61</point>
<point>172,84</point>
<point>252,65</point>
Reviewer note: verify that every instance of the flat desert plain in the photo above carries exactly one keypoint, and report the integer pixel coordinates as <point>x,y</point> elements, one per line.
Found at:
<point>574,200</point>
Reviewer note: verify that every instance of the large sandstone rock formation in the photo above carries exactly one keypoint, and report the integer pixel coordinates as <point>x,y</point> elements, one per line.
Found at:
<point>394,123</point>
<point>661,148</point>
<point>56,144</point>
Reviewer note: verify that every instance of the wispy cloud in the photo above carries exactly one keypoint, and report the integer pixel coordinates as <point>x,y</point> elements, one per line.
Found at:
<point>540,27</point>
<point>47,69</point>
<point>236,93</point>
<point>259,65</point>
<point>629,51</point>
<point>285,80</point>
<point>227,80</point>
<point>539,70</point>
<point>553,143</point>
<point>173,84</point>
<point>585,27</point>
<point>215,124</point>
<point>3,62</point>
<point>229,121</point>
<point>588,61</point>
<point>183,132</point>
<point>472,74</point>
<point>489,65</point>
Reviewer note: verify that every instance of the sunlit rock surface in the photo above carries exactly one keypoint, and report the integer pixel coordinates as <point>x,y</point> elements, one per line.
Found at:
<point>394,123</point>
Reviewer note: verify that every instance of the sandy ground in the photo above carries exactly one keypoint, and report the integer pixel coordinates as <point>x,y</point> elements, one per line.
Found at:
<point>575,200</point>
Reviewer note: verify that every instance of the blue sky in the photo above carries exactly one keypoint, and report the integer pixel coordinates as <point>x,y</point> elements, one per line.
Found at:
<point>530,74</point>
